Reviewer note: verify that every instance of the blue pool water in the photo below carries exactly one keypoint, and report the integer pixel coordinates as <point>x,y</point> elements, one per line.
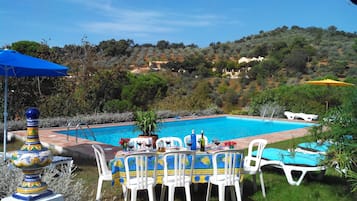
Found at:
<point>222,128</point>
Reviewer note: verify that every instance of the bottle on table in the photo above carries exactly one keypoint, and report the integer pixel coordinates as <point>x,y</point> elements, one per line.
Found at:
<point>193,140</point>
<point>202,142</point>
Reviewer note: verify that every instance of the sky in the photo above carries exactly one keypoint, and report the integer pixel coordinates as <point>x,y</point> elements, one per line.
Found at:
<point>201,22</point>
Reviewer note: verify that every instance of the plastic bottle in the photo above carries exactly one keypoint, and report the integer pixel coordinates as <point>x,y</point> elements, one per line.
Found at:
<point>202,142</point>
<point>193,140</point>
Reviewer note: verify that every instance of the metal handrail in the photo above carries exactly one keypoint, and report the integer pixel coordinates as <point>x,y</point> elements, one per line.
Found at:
<point>68,126</point>
<point>264,113</point>
<point>83,131</point>
<point>272,114</point>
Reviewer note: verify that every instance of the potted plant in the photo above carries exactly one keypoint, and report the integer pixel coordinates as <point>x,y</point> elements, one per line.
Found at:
<point>148,123</point>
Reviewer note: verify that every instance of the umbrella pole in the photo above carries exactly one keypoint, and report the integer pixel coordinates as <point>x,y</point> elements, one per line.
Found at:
<point>5,114</point>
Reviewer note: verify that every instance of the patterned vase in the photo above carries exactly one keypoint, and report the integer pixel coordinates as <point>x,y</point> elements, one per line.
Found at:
<point>31,159</point>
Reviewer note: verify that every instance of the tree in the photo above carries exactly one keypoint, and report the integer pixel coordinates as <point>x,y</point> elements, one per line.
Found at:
<point>354,46</point>
<point>296,61</point>
<point>298,42</point>
<point>271,66</point>
<point>193,62</point>
<point>260,50</point>
<point>31,90</point>
<point>142,90</point>
<point>116,48</point>
<point>177,45</point>
<point>26,47</point>
<point>105,85</point>
<point>332,29</point>
<point>200,98</point>
<point>163,44</point>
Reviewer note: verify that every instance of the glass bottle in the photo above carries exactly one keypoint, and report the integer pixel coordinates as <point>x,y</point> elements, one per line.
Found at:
<point>202,142</point>
<point>193,140</point>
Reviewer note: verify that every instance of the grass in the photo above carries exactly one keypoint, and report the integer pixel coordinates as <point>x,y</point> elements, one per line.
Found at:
<point>332,187</point>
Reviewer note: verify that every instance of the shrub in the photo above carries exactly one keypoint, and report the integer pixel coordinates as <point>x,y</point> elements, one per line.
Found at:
<point>117,105</point>
<point>66,184</point>
<point>9,180</point>
<point>340,126</point>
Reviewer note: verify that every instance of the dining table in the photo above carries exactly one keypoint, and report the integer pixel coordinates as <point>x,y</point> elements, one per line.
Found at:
<point>202,170</point>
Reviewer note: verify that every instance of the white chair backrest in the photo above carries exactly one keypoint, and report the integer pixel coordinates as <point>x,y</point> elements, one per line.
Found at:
<point>101,161</point>
<point>198,137</point>
<point>174,142</point>
<point>137,168</point>
<point>232,160</point>
<point>182,163</point>
<point>144,141</point>
<point>251,161</point>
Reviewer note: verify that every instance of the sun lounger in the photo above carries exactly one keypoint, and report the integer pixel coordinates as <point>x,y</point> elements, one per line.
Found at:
<point>292,162</point>
<point>306,117</point>
<point>289,115</point>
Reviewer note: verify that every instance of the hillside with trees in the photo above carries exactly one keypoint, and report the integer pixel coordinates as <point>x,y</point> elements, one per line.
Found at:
<point>120,75</point>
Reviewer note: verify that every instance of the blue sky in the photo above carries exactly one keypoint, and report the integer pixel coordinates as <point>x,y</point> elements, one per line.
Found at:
<point>64,22</point>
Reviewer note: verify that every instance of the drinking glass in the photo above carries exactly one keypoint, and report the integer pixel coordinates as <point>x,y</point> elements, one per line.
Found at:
<point>131,146</point>
<point>139,143</point>
<point>168,142</point>
<point>189,144</point>
<point>216,142</point>
<point>148,145</point>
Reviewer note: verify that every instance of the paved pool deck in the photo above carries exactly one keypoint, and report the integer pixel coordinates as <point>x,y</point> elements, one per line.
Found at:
<point>68,145</point>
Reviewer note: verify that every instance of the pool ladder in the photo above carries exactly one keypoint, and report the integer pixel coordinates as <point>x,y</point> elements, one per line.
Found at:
<point>79,129</point>
<point>271,116</point>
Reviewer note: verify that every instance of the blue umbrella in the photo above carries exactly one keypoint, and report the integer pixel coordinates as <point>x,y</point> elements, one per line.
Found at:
<point>15,64</point>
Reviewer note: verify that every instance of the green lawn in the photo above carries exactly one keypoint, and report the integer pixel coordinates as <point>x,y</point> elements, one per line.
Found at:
<point>331,188</point>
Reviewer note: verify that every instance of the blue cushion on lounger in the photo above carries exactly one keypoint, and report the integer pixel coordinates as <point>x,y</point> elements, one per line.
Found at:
<point>314,146</point>
<point>289,158</point>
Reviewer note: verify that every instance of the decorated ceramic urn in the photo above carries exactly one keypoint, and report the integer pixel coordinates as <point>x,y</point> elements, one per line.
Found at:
<point>32,157</point>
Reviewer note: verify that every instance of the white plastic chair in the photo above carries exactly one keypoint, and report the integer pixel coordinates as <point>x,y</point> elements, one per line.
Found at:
<point>252,163</point>
<point>137,174</point>
<point>144,141</point>
<point>174,142</point>
<point>198,137</point>
<point>104,173</point>
<point>180,175</point>
<point>230,176</point>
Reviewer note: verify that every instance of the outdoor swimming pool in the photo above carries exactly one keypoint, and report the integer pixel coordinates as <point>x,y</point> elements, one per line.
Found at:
<point>222,128</point>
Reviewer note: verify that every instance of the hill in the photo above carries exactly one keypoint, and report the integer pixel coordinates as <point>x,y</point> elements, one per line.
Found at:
<point>186,77</point>
<point>329,44</point>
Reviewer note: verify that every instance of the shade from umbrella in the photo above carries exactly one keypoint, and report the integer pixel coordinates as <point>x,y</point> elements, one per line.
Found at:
<point>329,82</point>
<point>15,64</point>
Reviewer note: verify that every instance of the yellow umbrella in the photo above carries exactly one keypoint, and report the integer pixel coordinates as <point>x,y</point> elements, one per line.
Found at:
<point>329,82</point>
